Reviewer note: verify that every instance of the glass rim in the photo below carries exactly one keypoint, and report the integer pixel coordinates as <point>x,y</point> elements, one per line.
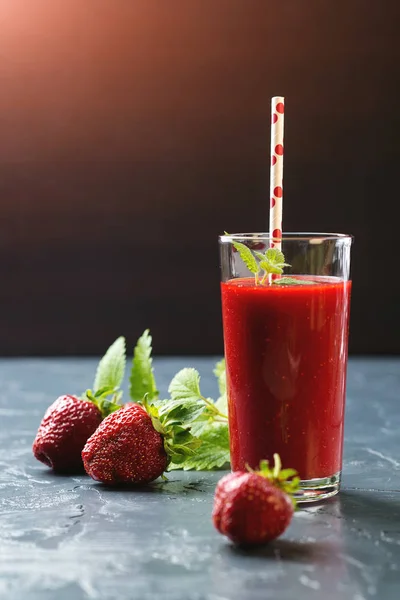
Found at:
<point>290,236</point>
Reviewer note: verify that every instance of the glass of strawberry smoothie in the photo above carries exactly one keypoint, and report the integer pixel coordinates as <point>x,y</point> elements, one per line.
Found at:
<point>285,338</point>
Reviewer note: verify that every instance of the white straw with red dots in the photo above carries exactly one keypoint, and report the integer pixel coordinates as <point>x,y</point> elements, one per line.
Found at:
<point>276,180</point>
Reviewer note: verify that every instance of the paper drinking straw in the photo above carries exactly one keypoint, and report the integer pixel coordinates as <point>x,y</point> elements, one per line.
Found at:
<point>276,180</point>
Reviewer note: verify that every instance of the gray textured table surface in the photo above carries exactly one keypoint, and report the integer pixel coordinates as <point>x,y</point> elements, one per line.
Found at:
<point>68,537</point>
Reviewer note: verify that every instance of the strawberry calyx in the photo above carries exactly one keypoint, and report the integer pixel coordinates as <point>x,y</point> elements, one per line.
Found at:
<point>171,418</point>
<point>101,399</point>
<point>285,479</point>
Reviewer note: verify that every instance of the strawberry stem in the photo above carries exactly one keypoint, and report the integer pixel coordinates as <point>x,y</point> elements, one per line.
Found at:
<point>277,465</point>
<point>285,479</point>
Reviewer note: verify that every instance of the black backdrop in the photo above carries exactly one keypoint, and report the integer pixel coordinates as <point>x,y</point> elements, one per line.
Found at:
<point>132,133</point>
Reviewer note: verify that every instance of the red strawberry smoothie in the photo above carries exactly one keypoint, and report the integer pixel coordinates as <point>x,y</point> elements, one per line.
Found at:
<point>286,358</point>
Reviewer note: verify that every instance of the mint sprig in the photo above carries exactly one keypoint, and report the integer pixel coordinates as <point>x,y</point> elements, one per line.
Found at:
<point>293,281</point>
<point>271,262</point>
<point>247,257</point>
<point>265,264</point>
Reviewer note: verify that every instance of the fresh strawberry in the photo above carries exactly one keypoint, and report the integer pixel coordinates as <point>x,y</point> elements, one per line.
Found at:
<point>63,432</point>
<point>136,443</point>
<point>125,448</point>
<point>68,423</point>
<point>255,507</point>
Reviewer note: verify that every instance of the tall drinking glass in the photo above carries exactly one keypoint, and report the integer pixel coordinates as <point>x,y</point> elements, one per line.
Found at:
<point>286,356</point>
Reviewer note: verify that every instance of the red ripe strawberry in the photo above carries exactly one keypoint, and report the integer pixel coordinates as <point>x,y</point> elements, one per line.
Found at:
<point>255,507</point>
<point>63,432</point>
<point>135,445</point>
<point>125,448</point>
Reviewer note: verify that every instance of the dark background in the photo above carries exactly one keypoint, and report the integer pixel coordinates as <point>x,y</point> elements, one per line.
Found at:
<point>132,133</point>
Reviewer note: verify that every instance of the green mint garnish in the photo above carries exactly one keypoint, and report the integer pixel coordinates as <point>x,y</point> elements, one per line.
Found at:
<point>142,382</point>
<point>271,262</point>
<point>247,257</point>
<point>293,281</point>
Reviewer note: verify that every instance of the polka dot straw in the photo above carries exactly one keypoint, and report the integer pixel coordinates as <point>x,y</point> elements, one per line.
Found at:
<point>276,180</point>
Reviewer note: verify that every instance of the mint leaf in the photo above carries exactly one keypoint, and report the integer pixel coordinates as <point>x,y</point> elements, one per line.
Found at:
<point>273,262</point>
<point>293,281</point>
<point>111,369</point>
<point>247,257</point>
<point>220,373</point>
<point>275,256</point>
<point>213,453</point>
<point>259,255</point>
<point>270,269</point>
<point>141,379</point>
<point>185,385</point>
